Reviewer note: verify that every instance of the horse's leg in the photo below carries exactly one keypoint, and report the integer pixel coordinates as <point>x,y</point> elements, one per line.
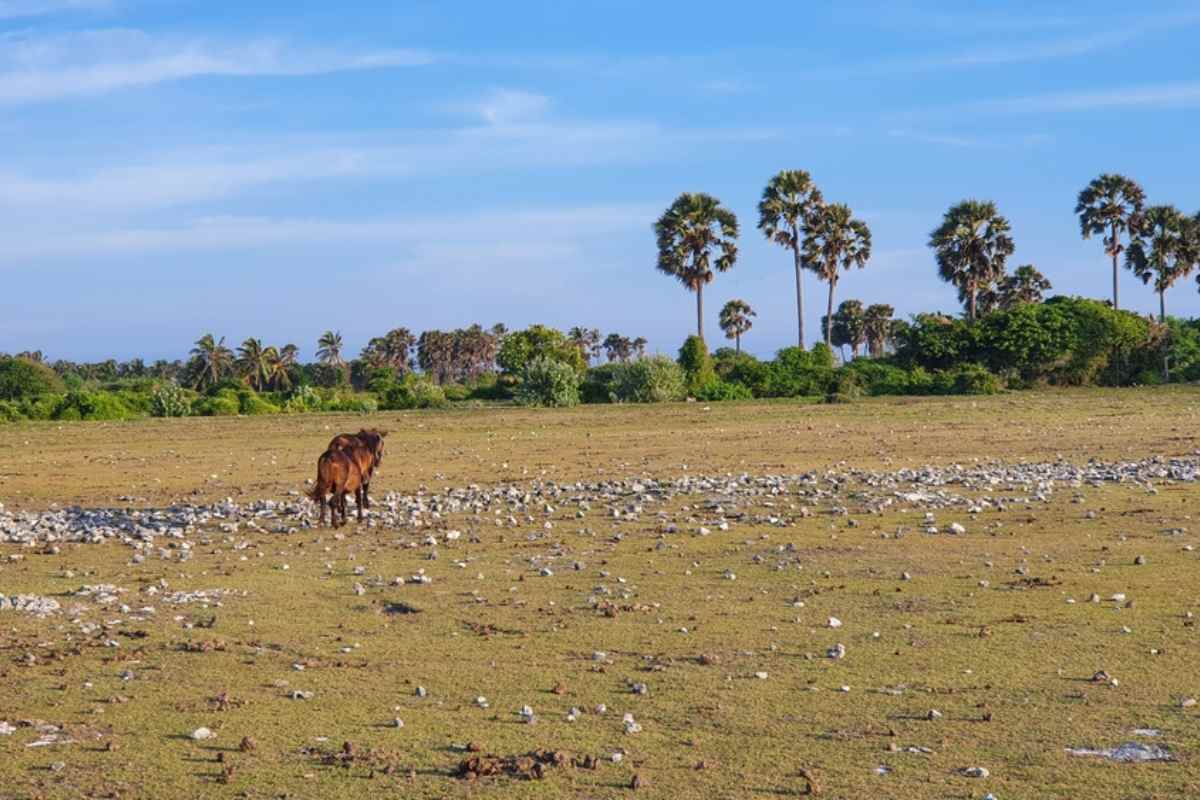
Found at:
<point>360,499</point>
<point>321,515</point>
<point>366,492</point>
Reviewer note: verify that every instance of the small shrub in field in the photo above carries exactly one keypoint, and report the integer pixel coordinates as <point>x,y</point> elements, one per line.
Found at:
<point>597,384</point>
<point>546,382</point>
<point>353,402</point>
<point>697,364</point>
<point>415,391</point>
<point>170,400</point>
<point>456,392</point>
<point>20,377</point>
<point>846,387</point>
<point>91,406</point>
<point>303,400</point>
<point>717,390</point>
<point>648,380</point>
<point>252,404</point>
<point>223,404</point>
<point>491,386</point>
<point>41,407</point>
<point>10,411</point>
<point>966,379</point>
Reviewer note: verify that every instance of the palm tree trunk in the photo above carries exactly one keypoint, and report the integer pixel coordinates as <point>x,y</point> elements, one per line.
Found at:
<point>799,285</point>
<point>1116,255</point>
<point>700,311</point>
<point>737,343</point>
<point>972,306</point>
<point>829,316</point>
<point>1162,305</point>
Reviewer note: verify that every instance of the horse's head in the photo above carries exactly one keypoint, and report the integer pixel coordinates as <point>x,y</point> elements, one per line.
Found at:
<point>373,439</point>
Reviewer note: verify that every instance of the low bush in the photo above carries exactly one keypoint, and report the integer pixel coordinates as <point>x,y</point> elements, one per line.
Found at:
<point>697,364</point>
<point>547,382</point>
<point>223,404</point>
<point>21,377</point>
<point>170,400</point>
<point>86,405</point>
<point>413,391</point>
<point>657,379</point>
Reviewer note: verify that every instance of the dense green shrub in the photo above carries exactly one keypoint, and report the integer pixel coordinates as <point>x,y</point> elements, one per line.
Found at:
<point>170,400</point>
<point>966,379</point>
<point>657,379</point>
<point>222,404</point>
<point>538,341</point>
<point>252,404</point>
<point>493,386</point>
<point>20,377</point>
<point>799,373</point>
<point>878,377</point>
<point>91,406</point>
<point>10,411</point>
<point>302,400</point>
<point>697,364</point>
<point>718,390</point>
<point>846,387</point>
<point>41,407</point>
<point>547,382</point>
<point>456,392</point>
<point>1066,341</point>
<point>414,391</point>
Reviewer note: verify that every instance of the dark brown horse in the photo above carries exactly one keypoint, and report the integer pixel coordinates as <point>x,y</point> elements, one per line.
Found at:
<point>366,448</point>
<point>338,474</point>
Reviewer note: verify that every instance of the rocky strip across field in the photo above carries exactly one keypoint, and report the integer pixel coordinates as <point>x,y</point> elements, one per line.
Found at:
<point>778,500</point>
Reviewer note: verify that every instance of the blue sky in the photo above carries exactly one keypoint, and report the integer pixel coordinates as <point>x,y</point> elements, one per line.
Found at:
<point>273,169</point>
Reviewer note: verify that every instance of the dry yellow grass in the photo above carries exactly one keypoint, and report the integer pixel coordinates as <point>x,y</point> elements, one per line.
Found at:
<point>1007,665</point>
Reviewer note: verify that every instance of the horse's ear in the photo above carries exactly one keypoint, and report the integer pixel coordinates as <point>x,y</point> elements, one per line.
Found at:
<point>383,433</point>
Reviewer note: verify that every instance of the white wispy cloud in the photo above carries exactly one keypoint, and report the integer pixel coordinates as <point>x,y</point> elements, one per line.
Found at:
<point>34,69</point>
<point>1185,94</point>
<point>234,233</point>
<point>202,176</point>
<point>971,142</point>
<point>504,106</point>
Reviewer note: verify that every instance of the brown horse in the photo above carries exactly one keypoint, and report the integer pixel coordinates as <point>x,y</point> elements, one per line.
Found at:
<point>366,448</point>
<point>337,475</point>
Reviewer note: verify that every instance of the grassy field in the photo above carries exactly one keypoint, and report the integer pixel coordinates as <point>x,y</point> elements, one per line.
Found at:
<point>728,631</point>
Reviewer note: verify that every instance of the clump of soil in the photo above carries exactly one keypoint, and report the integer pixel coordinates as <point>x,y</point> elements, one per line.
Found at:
<point>530,766</point>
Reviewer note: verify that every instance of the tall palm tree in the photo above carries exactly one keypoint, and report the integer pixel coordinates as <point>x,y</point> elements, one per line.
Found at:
<point>215,360</point>
<point>586,340</point>
<point>689,233</point>
<point>329,349</point>
<point>735,321</point>
<point>834,240</point>
<point>1111,205</point>
<point>279,364</point>
<point>877,321</point>
<point>1164,251</point>
<point>253,362</point>
<point>972,245</point>
<point>788,200</point>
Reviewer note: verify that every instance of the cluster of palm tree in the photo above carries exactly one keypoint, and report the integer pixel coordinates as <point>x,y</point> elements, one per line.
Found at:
<point>854,325</point>
<point>459,355</point>
<point>697,237</point>
<point>622,348</point>
<point>615,347</point>
<point>262,367</point>
<point>391,351</point>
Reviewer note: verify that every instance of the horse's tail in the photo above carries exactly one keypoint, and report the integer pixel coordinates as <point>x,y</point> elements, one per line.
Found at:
<point>320,486</point>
